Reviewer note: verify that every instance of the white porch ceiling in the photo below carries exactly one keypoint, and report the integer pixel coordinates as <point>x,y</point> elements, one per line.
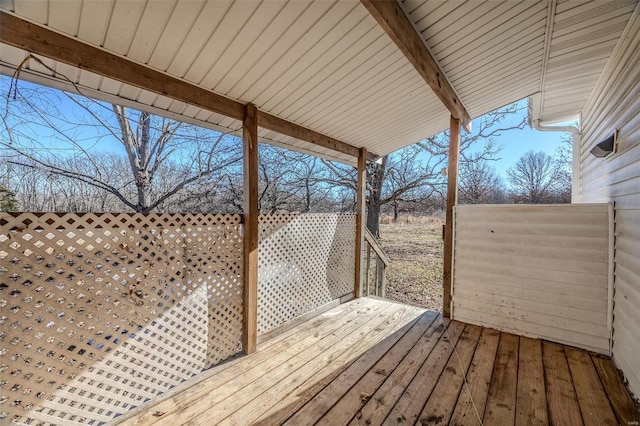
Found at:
<point>496,52</point>
<point>329,67</point>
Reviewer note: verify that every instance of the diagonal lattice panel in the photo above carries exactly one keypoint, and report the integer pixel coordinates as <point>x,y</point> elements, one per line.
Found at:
<point>101,312</point>
<point>304,262</point>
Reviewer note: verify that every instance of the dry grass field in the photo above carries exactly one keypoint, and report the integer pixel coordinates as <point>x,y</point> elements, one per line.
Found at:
<point>415,247</point>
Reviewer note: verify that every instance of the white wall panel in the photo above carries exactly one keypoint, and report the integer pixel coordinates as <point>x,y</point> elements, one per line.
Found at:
<point>537,270</point>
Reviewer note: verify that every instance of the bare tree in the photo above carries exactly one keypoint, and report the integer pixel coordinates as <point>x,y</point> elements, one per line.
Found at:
<point>563,162</point>
<point>534,178</point>
<point>43,128</point>
<point>480,184</point>
<point>413,174</point>
<point>293,182</point>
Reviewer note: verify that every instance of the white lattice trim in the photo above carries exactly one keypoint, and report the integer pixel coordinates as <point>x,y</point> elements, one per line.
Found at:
<point>101,312</point>
<point>304,261</point>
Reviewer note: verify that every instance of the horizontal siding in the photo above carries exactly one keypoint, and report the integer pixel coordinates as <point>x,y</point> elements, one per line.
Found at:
<point>626,332</point>
<point>615,105</point>
<point>535,330</point>
<point>540,271</point>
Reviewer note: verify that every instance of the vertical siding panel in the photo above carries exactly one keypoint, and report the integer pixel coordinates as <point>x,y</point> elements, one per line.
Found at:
<point>615,105</point>
<point>528,255</point>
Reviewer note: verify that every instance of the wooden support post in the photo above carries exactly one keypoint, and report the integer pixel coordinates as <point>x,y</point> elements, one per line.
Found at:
<point>250,151</point>
<point>452,199</point>
<point>361,211</point>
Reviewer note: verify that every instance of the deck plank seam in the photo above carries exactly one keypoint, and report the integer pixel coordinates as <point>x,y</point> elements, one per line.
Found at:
<point>418,339</point>
<point>379,359</point>
<point>318,354</point>
<point>446,324</point>
<point>465,383</point>
<point>484,412</point>
<point>603,387</point>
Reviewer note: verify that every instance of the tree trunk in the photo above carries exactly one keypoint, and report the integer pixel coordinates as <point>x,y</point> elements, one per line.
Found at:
<point>375,194</point>
<point>373,218</point>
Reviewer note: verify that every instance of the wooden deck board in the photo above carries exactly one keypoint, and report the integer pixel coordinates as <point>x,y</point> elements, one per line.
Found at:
<point>531,405</point>
<point>378,407</point>
<point>561,394</point>
<point>350,403</point>
<point>372,362</point>
<point>472,401</point>
<point>592,399</point>
<point>416,395</point>
<point>501,403</point>
<point>348,348</point>
<point>443,399</point>
<point>328,395</point>
<point>625,410</point>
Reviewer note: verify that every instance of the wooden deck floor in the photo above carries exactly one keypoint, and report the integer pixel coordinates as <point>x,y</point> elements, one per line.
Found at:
<point>373,362</point>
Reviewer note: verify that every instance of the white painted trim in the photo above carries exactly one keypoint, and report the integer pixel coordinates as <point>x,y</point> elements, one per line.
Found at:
<point>611,278</point>
<point>575,167</point>
<point>551,18</point>
<point>453,259</point>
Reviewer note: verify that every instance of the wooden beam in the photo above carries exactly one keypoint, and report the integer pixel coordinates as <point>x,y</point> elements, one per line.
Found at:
<point>361,211</point>
<point>250,246</point>
<point>279,125</point>
<point>43,41</point>
<point>393,21</point>
<point>36,39</point>
<point>452,199</point>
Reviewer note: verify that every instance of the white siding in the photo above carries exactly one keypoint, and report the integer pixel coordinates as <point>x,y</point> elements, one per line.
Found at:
<point>539,271</point>
<point>615,104</point>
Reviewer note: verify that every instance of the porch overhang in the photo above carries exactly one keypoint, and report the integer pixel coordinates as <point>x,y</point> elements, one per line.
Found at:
<point>327,78</point>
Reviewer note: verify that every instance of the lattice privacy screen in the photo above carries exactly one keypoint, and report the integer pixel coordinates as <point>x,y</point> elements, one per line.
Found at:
<point>100,312</point>
<point>304,261</point>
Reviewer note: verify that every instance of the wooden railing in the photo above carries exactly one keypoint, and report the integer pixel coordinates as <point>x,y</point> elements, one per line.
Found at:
<point>375,269</point>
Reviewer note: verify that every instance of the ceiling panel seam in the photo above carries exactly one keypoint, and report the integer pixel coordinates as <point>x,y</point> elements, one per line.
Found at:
<point>551,16</point>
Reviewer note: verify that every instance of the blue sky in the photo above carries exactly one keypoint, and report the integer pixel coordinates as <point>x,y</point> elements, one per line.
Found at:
<point>515,143</point>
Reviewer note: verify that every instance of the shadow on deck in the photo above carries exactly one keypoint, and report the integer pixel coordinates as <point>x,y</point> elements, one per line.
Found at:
<point>372,362</point>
